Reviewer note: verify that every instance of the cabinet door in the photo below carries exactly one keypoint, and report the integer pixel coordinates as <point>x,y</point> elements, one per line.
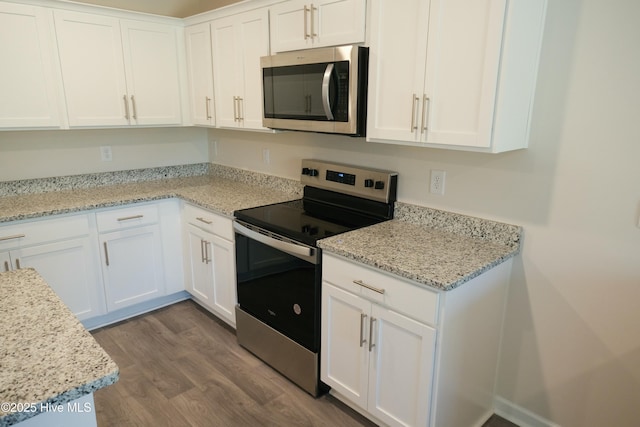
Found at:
<point>463,58</point>
<point>396,69</point>
<point>338,22</point>
<point>71,269</point>
<point>238,43</point>
<point>132,266</point>
<point>227,71</point>
<point>290,26</point>
<point>90,50</point>
<point>344,359</point>
<point>151,64</point>
<point>29,86</point>
<point>401,368</point>
<point>222,254</point>
<point>199,268</point>
<point>253,35</point>
<point>200,72</point>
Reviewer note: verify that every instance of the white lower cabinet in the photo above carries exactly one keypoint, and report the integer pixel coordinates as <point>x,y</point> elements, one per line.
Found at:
<point>64,252</point>
<point>210,272</point>
<point>377,357</point>
<point>131,246</point>
<point>399,352</point>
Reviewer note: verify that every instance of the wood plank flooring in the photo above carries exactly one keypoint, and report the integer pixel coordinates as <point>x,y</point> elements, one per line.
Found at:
<point>180,366</point>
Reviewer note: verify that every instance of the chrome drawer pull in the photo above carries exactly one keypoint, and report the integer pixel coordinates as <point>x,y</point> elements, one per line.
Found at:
<point>15,236</point>
<point>201,219</point>
<point>6,266</point>
<point>362,338</point>
<point>18,266</point>
<point>371,322</point>
<point>127,218</point>
<point>364,285</point>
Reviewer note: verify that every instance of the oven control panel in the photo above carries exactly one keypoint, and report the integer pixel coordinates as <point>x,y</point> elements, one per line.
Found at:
<point>374,184</point>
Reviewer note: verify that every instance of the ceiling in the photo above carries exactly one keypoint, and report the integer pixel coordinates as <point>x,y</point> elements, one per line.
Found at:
<point>175,8</point>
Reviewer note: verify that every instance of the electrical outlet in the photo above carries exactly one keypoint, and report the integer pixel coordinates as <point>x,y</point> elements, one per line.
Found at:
<point>265,156</point>
<point>437,182</point>
<point>105,153</point>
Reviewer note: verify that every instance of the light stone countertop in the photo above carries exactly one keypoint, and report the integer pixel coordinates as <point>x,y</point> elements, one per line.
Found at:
<point>220,194</point>
<point>439,249</point>
<point>46,355</point>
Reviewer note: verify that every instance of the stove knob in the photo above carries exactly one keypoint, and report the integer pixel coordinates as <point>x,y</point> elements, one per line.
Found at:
<point>313,172</point>
<point>368,183</point>
<point>379,185</point>
<point>306,171</point>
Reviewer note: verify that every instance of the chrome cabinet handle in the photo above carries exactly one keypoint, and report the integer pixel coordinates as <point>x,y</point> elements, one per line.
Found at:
<point>235,108</point>
<point>313,31</point>
<point>364,285</point>
<point>207,102</point>
<point>414,100</point>
<point>306,32</point>
<point>106,253</point>
<point>207,256</point>
<point>18,266</point>
<point>6,266</point>
<point>15,236</point>
<point>202,250</point>
<point>240,109</point>
<point>326,102</point>
<point>135,111</point>
<point>371,322</point>
<point>362,338</point>
<point>127,218</point>
<point>126,107</point>
<point>201,219</point>
<point>425,101</point>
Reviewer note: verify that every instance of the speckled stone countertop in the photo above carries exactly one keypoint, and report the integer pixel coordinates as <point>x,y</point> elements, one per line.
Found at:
<point>46,355</point>
<point>436,248</point>
<point>222,190</point>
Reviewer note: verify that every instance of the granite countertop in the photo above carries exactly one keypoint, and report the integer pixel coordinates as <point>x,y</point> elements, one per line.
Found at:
<point>435,248</point>
<point>221,193</point>
<point>46,356</point>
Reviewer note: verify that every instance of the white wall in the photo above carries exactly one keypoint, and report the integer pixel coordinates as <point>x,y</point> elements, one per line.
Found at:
<point>571,352</point>
<point>42,154</point>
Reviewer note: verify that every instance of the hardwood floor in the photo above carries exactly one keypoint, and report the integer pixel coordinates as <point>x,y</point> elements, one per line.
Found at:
<point>180,366</point>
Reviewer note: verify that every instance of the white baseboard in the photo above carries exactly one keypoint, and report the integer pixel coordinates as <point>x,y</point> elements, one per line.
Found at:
<point>519,415</point>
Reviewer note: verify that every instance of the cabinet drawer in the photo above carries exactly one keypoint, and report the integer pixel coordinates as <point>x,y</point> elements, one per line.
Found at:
<point>208,221</point>
<point>42,231</point>
<point>131,216</point>
<point>400,295</point>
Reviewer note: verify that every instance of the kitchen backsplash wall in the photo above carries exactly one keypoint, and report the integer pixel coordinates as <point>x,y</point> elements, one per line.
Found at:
<point>44,154</point>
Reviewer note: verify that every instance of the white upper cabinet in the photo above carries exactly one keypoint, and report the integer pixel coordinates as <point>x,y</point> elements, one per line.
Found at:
<point>118,72</point>
<point>29,83</point>
<point>454,73</point>
<point>200,73</point>
<point>238,43</point>
<point>301,24</point>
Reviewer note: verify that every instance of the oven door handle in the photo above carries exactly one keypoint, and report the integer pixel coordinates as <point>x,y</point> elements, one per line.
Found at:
<point>303,252</point>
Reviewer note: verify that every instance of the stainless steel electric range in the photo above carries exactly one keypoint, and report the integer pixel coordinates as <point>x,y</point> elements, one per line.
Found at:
<point>278,262</point>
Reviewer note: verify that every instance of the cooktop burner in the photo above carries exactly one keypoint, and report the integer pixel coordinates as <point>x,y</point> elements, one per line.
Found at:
<point>289,219</point>
<point>337,198</point>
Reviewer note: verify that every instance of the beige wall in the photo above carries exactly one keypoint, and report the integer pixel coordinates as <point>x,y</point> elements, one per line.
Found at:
<point>42,154</point>
<point>572,342</point>
<point>571,349</point>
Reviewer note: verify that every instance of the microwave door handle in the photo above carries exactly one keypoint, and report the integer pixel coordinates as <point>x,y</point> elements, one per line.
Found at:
<point>325,91</point>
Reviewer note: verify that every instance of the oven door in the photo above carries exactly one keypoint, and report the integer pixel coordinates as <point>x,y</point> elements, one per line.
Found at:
<point>279,283</point>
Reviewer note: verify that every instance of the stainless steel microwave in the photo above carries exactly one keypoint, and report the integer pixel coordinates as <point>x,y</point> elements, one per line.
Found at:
<point>316,90</point>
